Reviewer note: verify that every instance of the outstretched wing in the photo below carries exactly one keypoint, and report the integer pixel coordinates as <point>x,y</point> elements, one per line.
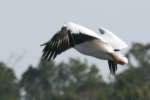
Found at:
<point>112,39</point>
<point>67,37</point>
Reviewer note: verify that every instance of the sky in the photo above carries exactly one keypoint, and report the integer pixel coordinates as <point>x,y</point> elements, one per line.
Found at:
<point>25,24</point>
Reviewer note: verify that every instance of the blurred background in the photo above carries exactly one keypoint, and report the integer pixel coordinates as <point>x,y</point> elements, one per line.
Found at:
<point>24,25</point>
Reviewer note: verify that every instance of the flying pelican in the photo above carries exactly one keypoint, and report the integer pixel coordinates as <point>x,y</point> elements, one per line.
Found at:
<point>103,46</point>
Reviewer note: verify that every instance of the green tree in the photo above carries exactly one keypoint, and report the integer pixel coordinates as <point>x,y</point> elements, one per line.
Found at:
<point>9,89</point>
<point>77,80</point>
<point>134,83</point>
<point>64,81</point>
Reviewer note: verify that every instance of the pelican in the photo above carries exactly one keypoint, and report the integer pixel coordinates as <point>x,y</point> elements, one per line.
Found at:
<point>102,46</point>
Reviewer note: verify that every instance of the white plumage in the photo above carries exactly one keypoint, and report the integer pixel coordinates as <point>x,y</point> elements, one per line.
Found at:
<point>103,45</point>
<point>112,39</point>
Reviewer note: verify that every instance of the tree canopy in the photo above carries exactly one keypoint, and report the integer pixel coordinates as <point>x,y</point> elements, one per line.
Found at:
<point>9,88</point>
<point>77,80</point>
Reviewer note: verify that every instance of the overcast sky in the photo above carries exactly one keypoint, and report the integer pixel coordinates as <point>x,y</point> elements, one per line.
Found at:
<point>25,24</point>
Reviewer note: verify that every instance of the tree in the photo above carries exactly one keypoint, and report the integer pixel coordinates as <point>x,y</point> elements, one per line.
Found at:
<point>139,54</point>
<point>134,83</point>
<point>64,80</point>
<point>9,89</point>
<point>77,80</point>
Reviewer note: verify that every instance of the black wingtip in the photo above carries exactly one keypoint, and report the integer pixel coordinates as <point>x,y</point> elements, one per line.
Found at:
<point>43,44</point>
<point>101,31</point>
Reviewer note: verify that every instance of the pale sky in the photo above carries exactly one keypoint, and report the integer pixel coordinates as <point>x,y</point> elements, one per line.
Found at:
<point>25,24</point>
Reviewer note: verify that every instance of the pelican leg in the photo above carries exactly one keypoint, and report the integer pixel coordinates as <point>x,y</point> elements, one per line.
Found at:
<point>112,67</point>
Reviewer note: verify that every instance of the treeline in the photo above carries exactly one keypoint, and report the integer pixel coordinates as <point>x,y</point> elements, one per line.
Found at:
<point>77,80</point>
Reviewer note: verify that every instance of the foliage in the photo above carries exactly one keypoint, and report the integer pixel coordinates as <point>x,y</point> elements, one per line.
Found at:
<point>66,80</point>
<point>77,80</point>
<point>9,89</point>
<point>134,84</point>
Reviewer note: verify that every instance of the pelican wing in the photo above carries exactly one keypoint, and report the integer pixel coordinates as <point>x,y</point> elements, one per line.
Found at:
<point>69,36</point>
<point>112,39</point>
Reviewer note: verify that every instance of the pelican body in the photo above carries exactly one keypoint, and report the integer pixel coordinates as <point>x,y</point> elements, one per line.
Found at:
<point>102,46</point>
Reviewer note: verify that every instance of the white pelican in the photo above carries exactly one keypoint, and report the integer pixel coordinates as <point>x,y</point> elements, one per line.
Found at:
<point>102,46</point>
